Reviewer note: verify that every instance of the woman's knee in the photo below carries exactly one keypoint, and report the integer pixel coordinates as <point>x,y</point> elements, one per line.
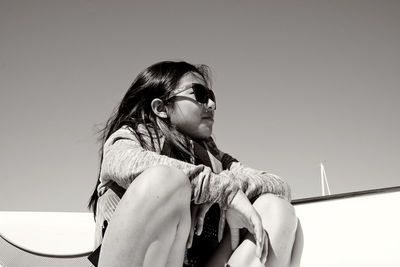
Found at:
<point>163,182</point>
<point>272,207</point>
<point>166,175</point>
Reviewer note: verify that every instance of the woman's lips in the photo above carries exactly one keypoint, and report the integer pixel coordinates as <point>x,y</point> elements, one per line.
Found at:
<point>208,118</point>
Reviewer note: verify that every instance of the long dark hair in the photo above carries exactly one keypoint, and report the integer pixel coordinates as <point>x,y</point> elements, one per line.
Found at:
<point>156,81</point>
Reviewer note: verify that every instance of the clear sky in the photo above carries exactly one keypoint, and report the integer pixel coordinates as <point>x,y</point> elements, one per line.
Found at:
<point>297,83</point>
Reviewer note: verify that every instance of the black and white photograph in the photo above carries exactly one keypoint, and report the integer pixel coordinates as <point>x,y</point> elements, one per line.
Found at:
<point>184,133</point>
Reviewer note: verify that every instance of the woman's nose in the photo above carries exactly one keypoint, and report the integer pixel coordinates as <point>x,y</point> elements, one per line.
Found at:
<point>211,105</point>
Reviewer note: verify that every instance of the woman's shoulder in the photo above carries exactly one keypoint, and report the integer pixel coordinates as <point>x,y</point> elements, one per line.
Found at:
<point>125,132</point>
<point>142,135</point>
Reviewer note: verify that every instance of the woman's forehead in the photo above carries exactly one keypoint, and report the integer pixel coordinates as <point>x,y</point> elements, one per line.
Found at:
<point>190,78</point>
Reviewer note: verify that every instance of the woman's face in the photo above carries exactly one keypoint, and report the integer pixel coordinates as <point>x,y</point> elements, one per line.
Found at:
<point>191,117</point>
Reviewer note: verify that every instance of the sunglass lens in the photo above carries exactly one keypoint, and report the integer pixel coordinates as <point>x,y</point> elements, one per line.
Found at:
<point>202,93</point>
<point>211,95</point>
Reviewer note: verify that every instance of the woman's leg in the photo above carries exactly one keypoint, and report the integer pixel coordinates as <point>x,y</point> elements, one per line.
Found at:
<point>285,235</point>
<point>280,222</point>
<point>151,223</point>
<point>297,249</point>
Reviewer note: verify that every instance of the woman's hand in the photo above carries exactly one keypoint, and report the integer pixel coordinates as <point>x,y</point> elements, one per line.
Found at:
<point>198,212</point>
<point>242,214</point>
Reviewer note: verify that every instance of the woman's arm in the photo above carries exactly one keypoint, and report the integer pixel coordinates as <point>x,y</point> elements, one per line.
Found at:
<point>124,159</point>
<point>252,182</point>
<point>255,183</point>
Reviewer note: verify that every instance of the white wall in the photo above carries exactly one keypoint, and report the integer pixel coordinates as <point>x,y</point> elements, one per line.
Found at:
<point>358,232</point>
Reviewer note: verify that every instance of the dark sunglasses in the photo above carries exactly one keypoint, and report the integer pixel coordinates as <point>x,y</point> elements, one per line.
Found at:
<point>201,93</point>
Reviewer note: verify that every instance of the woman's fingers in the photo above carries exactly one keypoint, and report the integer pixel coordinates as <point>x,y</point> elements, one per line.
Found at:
<point>264,254</point>
<point>235,238</point>
<point>203,209</point>
<point>221,225</point>
<point>242,214</point>
<point>199,226</point>
<point>194,209</point>
<point>198,212</point>
<point>261,237</point>
<point>258,235</point>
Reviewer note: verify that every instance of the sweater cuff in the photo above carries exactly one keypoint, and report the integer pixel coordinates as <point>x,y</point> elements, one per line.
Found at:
<point>227,161</point>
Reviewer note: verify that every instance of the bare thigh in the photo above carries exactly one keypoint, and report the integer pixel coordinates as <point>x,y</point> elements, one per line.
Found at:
<point>151,222</point>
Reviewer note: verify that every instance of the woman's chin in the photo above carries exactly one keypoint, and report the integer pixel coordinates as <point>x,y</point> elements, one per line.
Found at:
<point>202,133</point>
<point>205,133</point>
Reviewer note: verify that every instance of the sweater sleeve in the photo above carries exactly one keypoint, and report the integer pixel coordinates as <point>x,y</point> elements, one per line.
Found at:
<point>124,159</point>
<point>254,182</point>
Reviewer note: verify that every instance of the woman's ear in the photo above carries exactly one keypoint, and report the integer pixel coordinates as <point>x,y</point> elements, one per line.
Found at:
<point>158,107</point>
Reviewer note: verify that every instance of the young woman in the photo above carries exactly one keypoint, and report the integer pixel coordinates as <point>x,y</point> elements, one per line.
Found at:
<point>165,191</point>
